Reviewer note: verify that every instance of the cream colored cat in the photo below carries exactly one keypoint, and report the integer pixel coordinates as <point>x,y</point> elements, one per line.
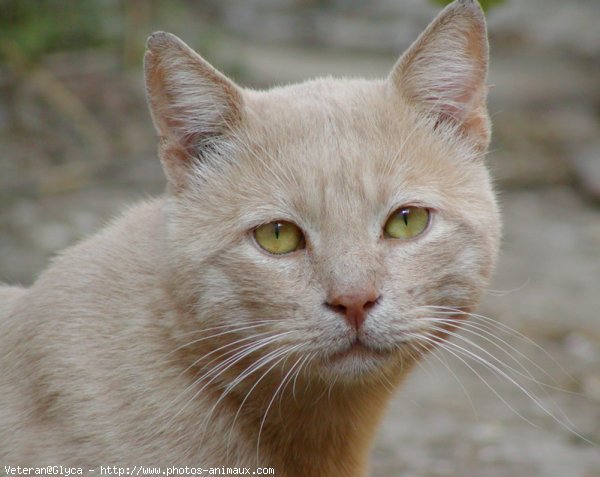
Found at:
<point>262,310</point>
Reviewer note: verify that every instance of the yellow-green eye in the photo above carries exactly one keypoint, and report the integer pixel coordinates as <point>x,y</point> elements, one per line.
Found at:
<point>279,237</point>
<point>407,222</point>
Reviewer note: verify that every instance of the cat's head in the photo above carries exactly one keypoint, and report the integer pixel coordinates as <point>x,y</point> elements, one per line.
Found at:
<point>325,223</point>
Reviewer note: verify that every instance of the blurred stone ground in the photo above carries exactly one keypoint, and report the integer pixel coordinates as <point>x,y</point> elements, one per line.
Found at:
<point>62,179</point>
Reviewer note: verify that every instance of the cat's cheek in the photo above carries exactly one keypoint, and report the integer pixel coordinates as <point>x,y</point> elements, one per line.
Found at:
<point>270,286</point>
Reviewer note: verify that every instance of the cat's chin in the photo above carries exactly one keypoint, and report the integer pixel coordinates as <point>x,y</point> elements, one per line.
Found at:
<point>357,362</point>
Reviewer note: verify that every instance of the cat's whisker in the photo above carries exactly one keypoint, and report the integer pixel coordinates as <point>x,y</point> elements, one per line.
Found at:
<point>321,394</point>
<point>237,353</point>
<point>293,379</point>
<point>501,326</point>
<point>216,335</point>
<point>224,326</point>
<point>478,333</point>
<point>465,352</point>
<point>510,290</point>
<point>226,345</point>
<point>222,368</point>
<point>486,353</point>
<point>256,324</point>
<point>248,371</point>
<point>296,365</point>
<point>264,361</point>
<point>415,356</point>
<point>542,386</point>
<point>480,329</point>
<point>525,375</point>
<point>444,345</point>
<point>297,372</point>
<point>231,361</point>
<point>190,386</point>
<point>308,359</point>
<point>281,384</point>
<point>444,362</point>
<point>331,386</point>
<point>385,382</point>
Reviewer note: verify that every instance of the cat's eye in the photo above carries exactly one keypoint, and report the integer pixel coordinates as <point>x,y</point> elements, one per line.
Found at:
<point>407,222</point>
<point>279,237</point>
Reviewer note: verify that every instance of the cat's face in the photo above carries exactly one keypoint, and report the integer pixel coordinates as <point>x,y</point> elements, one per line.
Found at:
<point>378,189</point>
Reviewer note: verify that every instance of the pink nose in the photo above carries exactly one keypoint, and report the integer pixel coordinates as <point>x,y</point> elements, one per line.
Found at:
<point>354,306</point>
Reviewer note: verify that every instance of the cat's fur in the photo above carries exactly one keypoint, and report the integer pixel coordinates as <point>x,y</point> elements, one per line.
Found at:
<point>99,358</point>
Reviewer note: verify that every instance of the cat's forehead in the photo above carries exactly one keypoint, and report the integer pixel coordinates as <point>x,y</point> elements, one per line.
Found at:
<point>319,106</point>
<point>328,128</point>
<point>344,144</point>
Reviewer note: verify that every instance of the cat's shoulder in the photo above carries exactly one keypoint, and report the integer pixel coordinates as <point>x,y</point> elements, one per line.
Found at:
<point>8,297</point>
<point>123,253</point>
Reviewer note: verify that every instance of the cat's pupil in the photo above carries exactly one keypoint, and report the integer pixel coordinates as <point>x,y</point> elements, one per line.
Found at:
<point>278,226</point>
<point>405,213</point>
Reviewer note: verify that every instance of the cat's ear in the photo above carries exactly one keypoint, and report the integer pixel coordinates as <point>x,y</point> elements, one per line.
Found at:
<point>193,105</point>
<point>444,72</point>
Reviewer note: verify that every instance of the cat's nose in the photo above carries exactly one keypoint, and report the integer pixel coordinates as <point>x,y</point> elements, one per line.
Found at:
<point>354,306</point>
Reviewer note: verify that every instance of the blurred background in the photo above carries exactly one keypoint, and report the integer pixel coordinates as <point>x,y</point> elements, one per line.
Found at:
<point>77,144</point>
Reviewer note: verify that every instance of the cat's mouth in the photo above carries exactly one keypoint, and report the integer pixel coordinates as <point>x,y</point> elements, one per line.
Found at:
<point>358,349</point>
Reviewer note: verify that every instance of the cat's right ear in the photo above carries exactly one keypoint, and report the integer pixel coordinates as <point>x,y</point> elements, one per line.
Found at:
<point>193,105</point>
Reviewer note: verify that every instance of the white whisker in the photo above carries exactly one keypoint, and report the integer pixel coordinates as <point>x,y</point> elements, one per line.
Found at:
<point>444,362</point>
<point>499,325</point>
<point>499,371</point>
<point>443,345</point>
<point>222,368</point>
<point>262,423</point>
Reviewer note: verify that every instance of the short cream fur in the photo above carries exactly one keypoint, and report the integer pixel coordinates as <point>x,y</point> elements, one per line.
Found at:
<point>170,338</point>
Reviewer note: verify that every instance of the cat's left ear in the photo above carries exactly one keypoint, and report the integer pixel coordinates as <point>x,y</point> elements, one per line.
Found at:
<point>444,72</point>
<point>193,105</point>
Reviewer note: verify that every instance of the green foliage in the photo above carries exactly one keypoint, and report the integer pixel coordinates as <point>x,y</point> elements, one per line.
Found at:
<point>36,27</point>
<point>485,4</point>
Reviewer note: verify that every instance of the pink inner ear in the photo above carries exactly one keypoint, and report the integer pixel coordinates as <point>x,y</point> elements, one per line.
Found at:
<point>451,99</point>
<point>188,141</point>
<point>446,111</point>
<point>189,123</point>
<point>462,104</point>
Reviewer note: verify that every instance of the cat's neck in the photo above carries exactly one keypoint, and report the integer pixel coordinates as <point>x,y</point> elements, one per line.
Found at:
<point>325,431</point>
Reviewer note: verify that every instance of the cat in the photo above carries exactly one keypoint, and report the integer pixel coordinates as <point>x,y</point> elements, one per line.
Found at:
<point>263,310</point>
